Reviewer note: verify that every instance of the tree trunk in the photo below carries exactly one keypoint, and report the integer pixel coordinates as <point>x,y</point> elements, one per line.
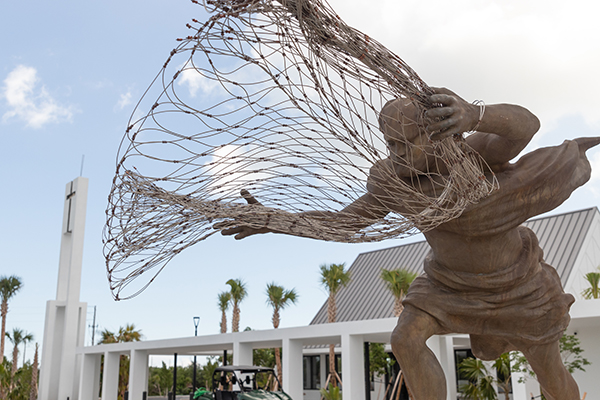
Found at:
<point>278,363</point>
<point>223,322</point>
<point>3,312</point>
<point>331,308</point>
<point>331,315</point>
<point>33,393</point>
<point>235,319</point>
<point>13,371</point>
<point>276,320</point>
<point>398,307</point>
<point>332,376</point>
<point>123,376</point>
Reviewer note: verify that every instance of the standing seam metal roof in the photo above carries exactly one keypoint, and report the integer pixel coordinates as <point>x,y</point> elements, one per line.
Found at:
<point>366,297</point>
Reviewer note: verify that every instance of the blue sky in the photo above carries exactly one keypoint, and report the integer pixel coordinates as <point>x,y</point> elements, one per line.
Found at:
<point>72,71</point>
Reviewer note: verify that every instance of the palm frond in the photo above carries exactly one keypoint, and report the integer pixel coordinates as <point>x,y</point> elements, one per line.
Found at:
<point>592,292</point>
<point>334,276</point>
<point>398,280</point>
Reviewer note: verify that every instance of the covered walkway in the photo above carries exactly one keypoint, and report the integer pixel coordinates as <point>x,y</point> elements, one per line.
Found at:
<point>351,335</point>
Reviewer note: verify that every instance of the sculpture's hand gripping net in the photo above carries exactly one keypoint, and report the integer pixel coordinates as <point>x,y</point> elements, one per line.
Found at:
<point>281,99</point>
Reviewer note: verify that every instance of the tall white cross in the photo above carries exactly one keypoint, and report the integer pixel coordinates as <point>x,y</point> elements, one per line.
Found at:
<point>64,329</point>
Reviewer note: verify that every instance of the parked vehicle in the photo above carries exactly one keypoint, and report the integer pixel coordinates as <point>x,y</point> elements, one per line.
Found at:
<point>243,382</point>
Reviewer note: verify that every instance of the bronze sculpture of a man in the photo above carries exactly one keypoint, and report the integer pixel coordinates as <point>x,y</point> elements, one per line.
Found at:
<point>485,274</point>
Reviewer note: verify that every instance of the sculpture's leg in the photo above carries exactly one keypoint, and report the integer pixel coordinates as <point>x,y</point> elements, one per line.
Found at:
<point>422,371</point>
<point>556,382</point>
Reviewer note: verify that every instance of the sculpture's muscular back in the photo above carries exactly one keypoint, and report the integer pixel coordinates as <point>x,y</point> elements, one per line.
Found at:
<point>484,238</point>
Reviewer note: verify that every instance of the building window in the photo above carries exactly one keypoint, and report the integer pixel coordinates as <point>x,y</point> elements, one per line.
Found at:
<point>460,355</point>
<point>312,372</point>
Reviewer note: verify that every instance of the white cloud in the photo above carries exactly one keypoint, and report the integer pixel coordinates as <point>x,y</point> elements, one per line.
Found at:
<point>33,105</point>
<point>195,82</point>
<point>124,100</point>
<point>594,183</point>
<point>542,54</point>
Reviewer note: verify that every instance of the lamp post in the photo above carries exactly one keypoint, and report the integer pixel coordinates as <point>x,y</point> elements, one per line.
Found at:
<point>196,322</point>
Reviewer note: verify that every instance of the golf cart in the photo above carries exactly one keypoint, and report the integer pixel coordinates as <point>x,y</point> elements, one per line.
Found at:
<point>243,382</point>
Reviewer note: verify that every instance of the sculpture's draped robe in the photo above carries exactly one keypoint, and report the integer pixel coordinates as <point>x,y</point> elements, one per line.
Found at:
<point>524,303</point>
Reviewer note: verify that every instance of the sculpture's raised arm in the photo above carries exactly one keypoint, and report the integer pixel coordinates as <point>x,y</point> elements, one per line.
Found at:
<point>503,130</point>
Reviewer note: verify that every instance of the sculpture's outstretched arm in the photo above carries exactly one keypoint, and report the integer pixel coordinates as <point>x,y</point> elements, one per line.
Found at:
<point>503,130</point>
<point>360,214</point>
<point>586,143</point>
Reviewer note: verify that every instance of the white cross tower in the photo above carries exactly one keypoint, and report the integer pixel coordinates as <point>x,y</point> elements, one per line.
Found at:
<point>64,329</point>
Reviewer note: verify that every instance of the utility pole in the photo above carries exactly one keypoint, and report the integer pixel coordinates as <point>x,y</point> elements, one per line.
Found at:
<point>93,326</point>
<point>196,322</point>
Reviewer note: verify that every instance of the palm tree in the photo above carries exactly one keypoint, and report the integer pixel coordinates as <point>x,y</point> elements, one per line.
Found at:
<point>481,381</point>
<point>279,298</point>
<point>107,337</point>
<point>224,299</point>
<point>238,293</point>
<point>17,337</point>
<point>9,286</point>
<point>129,334</point>
<point>480,386</point>
<point>593,292</point>
<point>27,338</point>
<point>126,334</point>
<point>398,281</point>
<point>333,277</point>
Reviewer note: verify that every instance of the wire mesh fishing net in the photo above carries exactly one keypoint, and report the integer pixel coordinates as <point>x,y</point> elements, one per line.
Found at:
<point>281,100</point>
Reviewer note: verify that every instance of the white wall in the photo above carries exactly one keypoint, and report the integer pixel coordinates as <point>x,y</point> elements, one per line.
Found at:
<point>589,381</point>
<point>311,395</point>
<point>586,324</point>
<point>587,261</point>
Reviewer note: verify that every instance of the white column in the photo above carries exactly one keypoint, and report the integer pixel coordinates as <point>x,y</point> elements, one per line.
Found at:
<point>353,367</point>
<point>291,367</point>
<point>324,369</point>
<point>434,345</point>
<point>138,374</point>
<point>73,336</point>
<point>519,391</point>
<point>110,376</point>
<point>524,390</point>
<point>89,384</point>
<point>446,357</point>
<point>51,346</point>
<point>242,353</point>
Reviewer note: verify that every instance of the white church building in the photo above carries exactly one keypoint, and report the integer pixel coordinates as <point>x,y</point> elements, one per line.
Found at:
<point>571,244</point>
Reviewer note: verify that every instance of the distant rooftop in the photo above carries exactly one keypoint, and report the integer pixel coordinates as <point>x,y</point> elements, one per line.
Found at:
<point>366,297</point>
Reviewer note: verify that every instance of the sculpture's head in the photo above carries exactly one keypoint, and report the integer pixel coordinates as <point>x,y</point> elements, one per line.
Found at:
<point>401,122</point>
